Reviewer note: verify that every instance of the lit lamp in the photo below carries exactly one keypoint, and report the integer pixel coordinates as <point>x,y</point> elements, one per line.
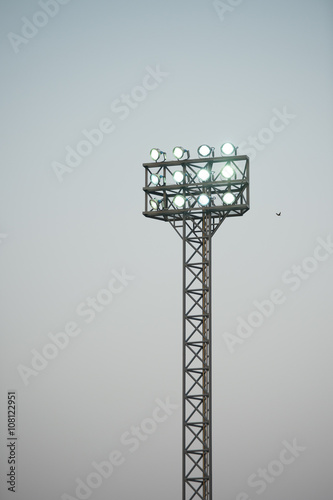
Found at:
<point>228,149</point>
<point>156,153</point>
<point>203,174</point>
<point>179,201</point>
<point>178,176</point>
<point>203,200</point>
<point>227,171</point>
<point>179,152</point>
<point>204,151</point>
<point>155,204</point>
<point>228,198</point>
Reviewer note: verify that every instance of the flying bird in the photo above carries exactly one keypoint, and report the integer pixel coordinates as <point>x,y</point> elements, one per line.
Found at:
<point>278,214</point>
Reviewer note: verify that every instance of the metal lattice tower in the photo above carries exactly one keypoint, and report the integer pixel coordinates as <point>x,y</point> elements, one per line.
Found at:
<point>196,225</point>
<point>197,433</point>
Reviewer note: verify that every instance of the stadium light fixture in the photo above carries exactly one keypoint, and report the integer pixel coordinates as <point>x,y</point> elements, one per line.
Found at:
<point>195,209</point>
<point>203,174</point>
<point>204,151</point>
<point>228,198</point>
<point>228,149</point>
<point>228,171</point>
<point>155,204</point>
<point>155,179</point>
<point>179,152</point>
<point>203,200</point>
<point>178,176</point>
<point>156,153</point>
<point>179,201</point>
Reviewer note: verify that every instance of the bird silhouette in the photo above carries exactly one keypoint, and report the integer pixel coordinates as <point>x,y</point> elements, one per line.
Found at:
<point>278,214</point>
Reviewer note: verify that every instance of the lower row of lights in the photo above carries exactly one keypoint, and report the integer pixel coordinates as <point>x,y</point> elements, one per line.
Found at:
<point>203,200</point>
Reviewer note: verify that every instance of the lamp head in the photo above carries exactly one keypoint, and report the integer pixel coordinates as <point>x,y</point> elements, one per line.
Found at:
<point>228,149</point>
<point>179,152</point>
<point>179,201</point>
<point>227,171</point>
<point>178,176</point>
<point>203,200</point>
<point>204,151</point>
<point>228,198</point>
<point>156,153</point>
<point>155,204</point>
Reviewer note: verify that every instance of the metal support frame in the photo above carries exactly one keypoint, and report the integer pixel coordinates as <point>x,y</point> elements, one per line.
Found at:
<point>196,226</point>
<point>197,394</point>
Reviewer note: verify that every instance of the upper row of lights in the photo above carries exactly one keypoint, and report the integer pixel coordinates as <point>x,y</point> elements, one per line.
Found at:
<point>227,149</point>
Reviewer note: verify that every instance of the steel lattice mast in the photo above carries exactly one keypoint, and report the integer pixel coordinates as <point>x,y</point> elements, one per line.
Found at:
<point>196,225</point>
<point>197,430</point>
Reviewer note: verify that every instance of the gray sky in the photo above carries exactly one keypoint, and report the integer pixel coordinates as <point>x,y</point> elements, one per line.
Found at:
<point>160,74</point>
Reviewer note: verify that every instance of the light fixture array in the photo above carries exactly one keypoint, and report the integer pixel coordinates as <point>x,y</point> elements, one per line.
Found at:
<point>207,183</point>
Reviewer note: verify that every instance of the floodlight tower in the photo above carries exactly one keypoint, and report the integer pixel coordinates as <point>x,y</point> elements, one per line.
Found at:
<point>195,196</point>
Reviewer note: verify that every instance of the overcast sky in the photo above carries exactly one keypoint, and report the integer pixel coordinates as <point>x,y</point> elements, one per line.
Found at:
<point>91,290</point>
